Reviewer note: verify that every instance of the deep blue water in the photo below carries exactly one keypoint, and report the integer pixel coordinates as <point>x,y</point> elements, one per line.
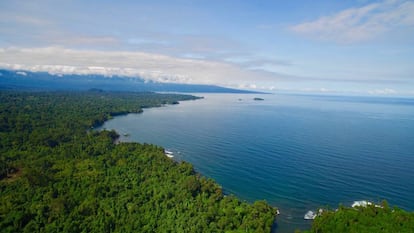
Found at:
<point>296,152</point>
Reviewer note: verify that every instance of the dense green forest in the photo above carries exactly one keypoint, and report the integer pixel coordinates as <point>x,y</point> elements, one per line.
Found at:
<point>372,218</point>
<point>57,174</point>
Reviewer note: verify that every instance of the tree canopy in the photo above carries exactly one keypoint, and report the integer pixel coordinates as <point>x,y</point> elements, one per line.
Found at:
<point>371,218</point>
<point>59,175</point>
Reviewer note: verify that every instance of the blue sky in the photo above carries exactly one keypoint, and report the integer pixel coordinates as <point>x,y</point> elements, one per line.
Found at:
<point>348,47</point>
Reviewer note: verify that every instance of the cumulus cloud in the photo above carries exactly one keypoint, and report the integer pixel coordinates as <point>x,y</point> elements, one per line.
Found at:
<point>155,67</point>
<point>360,24</point>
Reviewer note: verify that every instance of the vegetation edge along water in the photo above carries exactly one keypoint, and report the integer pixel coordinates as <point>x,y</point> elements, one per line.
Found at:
<point>56,175</point>
<point>59,176</point>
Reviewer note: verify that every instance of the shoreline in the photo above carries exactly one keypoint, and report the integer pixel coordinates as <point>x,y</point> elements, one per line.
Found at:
<point>298,213</point>
<point>169,155</point>
<point>277,218</point>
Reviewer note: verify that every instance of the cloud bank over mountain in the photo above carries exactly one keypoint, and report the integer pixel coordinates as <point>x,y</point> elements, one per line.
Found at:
<point>154,67</point>
<point>300,46</point>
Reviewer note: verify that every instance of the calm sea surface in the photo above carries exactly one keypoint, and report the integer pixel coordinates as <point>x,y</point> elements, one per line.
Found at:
<point>297,152</point>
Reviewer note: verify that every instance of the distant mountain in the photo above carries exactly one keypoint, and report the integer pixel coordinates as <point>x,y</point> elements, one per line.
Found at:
<point>21,79</point>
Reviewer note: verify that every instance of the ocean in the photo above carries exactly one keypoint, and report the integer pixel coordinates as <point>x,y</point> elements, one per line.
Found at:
<point>297,152</point>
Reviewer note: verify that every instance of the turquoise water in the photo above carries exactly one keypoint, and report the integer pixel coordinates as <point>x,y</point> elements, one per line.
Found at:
<point>297,152</point>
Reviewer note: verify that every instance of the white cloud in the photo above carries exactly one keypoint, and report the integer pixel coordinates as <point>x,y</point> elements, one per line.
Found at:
<point>163,68</point>
<point>360,24</point>
<point>156,67</point>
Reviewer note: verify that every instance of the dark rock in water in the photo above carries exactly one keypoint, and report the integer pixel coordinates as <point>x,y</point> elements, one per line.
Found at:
<point>257,98</point>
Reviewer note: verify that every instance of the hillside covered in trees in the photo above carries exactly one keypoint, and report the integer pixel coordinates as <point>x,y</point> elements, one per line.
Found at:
<point>59,175</point>
<point>364,219</point>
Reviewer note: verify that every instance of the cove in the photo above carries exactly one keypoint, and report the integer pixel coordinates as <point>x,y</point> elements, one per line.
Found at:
<point>297,152</point>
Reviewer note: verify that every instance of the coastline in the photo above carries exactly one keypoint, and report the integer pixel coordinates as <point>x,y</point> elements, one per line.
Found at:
<point>86,168</point>
<point>169,154</point>
<point>273,166</point>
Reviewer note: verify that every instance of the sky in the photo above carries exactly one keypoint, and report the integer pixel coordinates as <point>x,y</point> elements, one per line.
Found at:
<point>356,47</point>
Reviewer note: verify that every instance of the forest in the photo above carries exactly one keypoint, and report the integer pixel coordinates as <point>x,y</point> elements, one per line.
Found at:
<point>364,219</point>
<point>58,174</point>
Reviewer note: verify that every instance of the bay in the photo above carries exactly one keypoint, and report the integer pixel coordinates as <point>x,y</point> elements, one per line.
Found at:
<point>297,152</point>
